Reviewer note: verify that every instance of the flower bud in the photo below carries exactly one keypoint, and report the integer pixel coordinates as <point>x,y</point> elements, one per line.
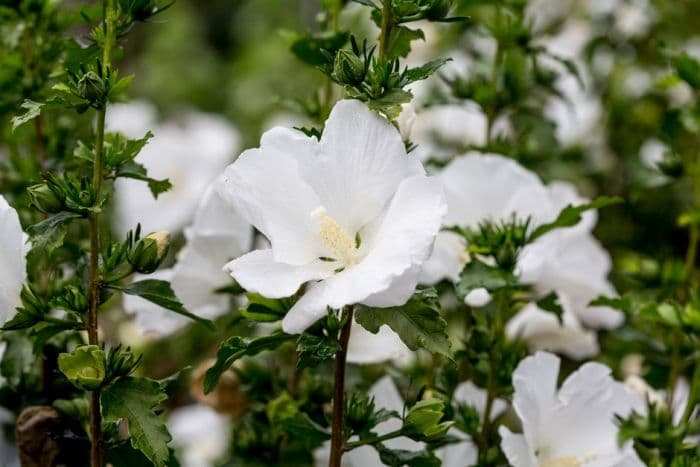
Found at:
<point>91,87</point>
<point>45,199</point>
<point>84,367</point>
<point>31,302</point>
<point>150,251</point>
<point>424,419</point>
<point>478,297</point>
<point>348,68</point>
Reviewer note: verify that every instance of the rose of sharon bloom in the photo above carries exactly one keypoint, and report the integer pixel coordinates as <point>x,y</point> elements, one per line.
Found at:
<point>13,264</point>
<point>387,397</point>
<point>569,261</point>
<point>217,234</point>
<point>190,151</point>
<point>352,215</point>
<point>200,435</point>
<point>573,425</point>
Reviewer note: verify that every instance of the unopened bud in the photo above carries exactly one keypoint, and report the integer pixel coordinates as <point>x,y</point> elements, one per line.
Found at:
<point>348,68</point>
<point>84,367</point>
<point>91,87</point>
<point>45,199</point>
<point>150,251</point>
<point>478,297</point>
<point>423,419</point>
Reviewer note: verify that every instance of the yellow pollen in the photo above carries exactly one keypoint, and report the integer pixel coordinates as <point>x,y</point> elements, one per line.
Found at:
<point>334,238</point>
<point>562,462</point>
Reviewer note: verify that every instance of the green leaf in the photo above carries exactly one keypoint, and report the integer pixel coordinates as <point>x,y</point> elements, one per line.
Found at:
<point>162,294</point>
<point>401,458</point>
<point>424,71</point>
<point>309,47</point>
<point>623,303</point>
<point>33,109</point>
<point>48,234</point>
<point>550,303</point>
<point>400,40</point>
<point>265,310</point>
<point>418,322</point>
<point>237,347</point>
<point>688,69</point>
<point>138,172</point>
<point>479,275</point>
<point>571,215</point>
<point>134,400</point>
<point>308,431</point>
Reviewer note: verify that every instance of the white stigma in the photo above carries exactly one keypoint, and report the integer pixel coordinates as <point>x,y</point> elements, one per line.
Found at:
<point>334,238</point>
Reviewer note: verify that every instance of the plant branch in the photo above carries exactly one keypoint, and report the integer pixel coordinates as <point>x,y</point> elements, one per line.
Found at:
<point>376,439</point>
<point>385,34</point>
<point>337,431</point>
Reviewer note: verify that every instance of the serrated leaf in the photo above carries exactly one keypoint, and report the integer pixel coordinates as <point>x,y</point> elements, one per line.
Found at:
<point>571,215</point>
<point>138,172</point>
<point>477,275</point>
<point>162,294</point>
<point>424,71</point>
<point>309,47</point>
<point>418,323</point>
<point>134,400</point>
<point>314,349</point>
<point>237,347</point>
<point>401,458</point>
<point>550,303</point>
<point>48,234</point>
<point>400,40</point>
<point>266,310</point>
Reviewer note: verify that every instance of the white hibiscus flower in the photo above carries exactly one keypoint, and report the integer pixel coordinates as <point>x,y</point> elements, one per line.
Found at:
<point>573,425</point>
<point>200,435</point>
<point>217,234</point>
<point>352,214</point>
<point>13,264</point>
<point>568,261</point>
<point>191,152</point>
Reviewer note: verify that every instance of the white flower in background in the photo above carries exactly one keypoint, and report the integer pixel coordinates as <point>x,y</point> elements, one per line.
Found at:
<point>573,425</point>
<point>352,214</point>
<point>465,452</point>
<point>367,348</point>
<point>201,435</point>
<point>13,264</point>
<point>387,397</point>
<point>217,235</point>
<point>190,151</point>
<point>568,261</point>
<point>634,18</point>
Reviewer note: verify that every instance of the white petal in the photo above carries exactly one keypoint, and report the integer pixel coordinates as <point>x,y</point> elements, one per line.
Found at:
<point>386,396</point>
<point>516,449</point>
<point>541,331</point>
<point>447,259</point>
<point>439,129</point>
<point>563,194</point>
<point>399,241</point>
<point>478,297</point>
<point>458,454</point>
<point>200,434</point>
<point>367,348</point>
<point>258,272</point>
<point>492,187</point>
<point>265,187</point>
<point>191,153</point>
<point>398,293</point>
<point>467,393</point>
<point>361,163</point>
<point>13,263</point>
<point>133,119</point>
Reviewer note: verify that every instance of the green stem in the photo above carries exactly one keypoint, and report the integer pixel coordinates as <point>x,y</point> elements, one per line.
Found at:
<point>377,439</point>
<point>385,34</point>
<point>692,395</point>
<point>675,369</point>
<point>691,255</point>
<point>96,454</point>
<point>337,425</point>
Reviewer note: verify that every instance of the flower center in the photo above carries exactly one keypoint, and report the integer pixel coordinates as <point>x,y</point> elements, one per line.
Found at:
<point>568,461</point>
<point>335,239</point>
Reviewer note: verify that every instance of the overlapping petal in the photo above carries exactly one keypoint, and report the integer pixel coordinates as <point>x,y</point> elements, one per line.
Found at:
<point>13,263</point>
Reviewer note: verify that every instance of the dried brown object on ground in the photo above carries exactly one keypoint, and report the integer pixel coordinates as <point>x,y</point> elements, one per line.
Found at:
<point>35,446</point>
<point>226,398</point>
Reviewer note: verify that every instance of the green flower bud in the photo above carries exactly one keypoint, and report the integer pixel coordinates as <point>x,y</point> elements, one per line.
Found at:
<point>150,251</point>
<point>348,68</point>
<point>91,87</point>
<point>439,9</point>
<point>45,199</point>
<point>84,368</point>
<point>424,419</point>
<point>31,301</point>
